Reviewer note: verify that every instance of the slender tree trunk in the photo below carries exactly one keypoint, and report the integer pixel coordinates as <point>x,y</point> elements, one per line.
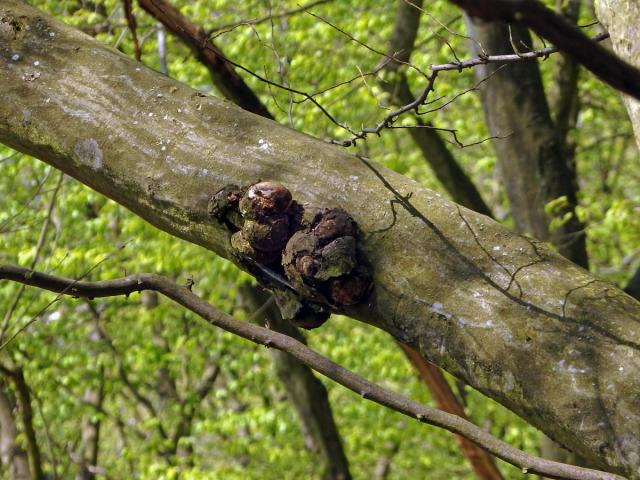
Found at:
<point>307,394</point>
<point>90,435</point>
<point>23,402</point>
<point>89,446</point>
<point>14,459</point>
<point>515,320</point>
<point>531,153</point>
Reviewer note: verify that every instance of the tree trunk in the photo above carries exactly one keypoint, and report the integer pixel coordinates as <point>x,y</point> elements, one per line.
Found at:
<point>307,394</point>
<point>620,17</point>
<point>14,458</point>
<point>515,320</point>
<point>531,152</point>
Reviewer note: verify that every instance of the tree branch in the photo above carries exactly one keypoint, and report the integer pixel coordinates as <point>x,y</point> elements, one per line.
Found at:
<point>222,73</point>
<point>271,339</point>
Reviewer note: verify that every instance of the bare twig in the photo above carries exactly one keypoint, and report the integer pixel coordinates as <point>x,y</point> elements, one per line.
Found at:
<point>567,37</point>
<point>514,57</point>
<point>36,256</point>
<point>266,18</point>
<point>311,358</point>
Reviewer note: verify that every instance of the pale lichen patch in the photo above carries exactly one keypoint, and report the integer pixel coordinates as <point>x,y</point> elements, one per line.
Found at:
<point>89,153</point>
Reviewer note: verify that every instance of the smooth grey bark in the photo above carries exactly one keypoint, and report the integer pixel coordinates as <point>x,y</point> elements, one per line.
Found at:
<point>306,392</point>
<point>515,320</point>
<point>14,458</point>
<point>531,152</point>
<point>620,17</point>
<point>537,166</point>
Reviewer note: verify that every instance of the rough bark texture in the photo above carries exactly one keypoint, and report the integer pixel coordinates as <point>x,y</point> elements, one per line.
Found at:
<point>620,17</point>
<point>513,319</point>
<point>531,153</point>
<point>307,394</point>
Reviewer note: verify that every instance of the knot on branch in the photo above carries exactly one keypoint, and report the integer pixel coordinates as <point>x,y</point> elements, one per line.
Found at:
<point>290,247</point>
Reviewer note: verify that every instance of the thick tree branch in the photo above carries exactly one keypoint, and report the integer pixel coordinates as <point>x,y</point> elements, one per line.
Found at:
<point>492,307</point>
<point>224,76</point>
<point>272,339</point>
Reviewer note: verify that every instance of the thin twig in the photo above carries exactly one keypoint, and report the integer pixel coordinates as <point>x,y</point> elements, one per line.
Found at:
<point>266,18</point>
<point>514,57</point>
<point>36,256</point>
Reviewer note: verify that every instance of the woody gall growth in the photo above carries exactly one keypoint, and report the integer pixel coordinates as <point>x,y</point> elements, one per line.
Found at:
<point>292,247</point>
